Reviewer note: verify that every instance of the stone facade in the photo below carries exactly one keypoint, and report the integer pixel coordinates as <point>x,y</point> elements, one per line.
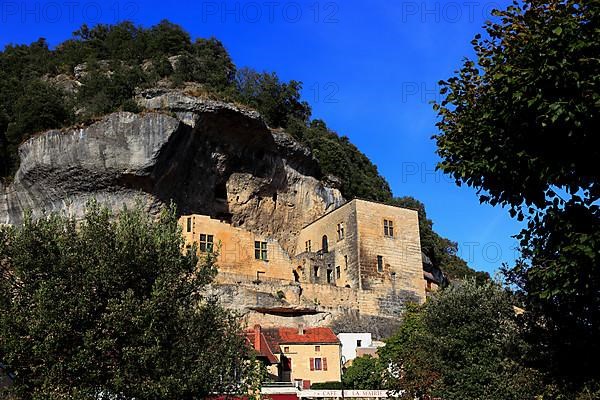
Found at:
<point>371,247</point>
<point>363,256</point>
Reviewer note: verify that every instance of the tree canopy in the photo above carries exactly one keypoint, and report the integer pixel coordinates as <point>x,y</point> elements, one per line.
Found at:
<point>365,373</point>
<point>111,62</point>
<point>519,124</point>
<point>464,343</point>
<point>112,307</point>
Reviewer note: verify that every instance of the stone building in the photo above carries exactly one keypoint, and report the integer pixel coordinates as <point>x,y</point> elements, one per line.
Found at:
<point>300,355</point>
<point>367,246</point>
<point>362,257</point>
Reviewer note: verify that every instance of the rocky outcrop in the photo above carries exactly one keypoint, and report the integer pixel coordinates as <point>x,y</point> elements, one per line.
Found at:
<point>206,156</point>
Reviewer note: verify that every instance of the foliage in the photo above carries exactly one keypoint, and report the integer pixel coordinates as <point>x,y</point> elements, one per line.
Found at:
<point>208,64</point>
<point>558,274</point>
<point>326,385</point>
<point>37,107</point>
<point>102,93</point>
<point>275,100</point>
<point>465,343</point>
<point>365,373</point>
<point>519,125</point>
<point>111,306</point>
<point>411,373</point>
<point>529,107</point>
<point>113,61</point>
<point>338,157</point>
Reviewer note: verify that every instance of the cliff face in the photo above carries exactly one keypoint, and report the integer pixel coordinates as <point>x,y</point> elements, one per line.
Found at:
<point>206,156</point>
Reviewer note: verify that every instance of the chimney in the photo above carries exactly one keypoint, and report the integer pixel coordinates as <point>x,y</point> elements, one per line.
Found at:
<point>257,333</point>
<point>300,329</point>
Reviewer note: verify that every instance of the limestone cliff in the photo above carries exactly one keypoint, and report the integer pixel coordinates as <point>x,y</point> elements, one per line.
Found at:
<point>206,156</point>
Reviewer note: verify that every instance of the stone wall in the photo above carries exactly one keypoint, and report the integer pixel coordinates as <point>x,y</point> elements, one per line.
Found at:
<point>342,252</point>
<point>319,284</point>
<point>401,278</point>
<point>236,249</point>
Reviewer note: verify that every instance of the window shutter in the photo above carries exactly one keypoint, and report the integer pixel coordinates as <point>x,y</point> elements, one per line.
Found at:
<point>312,364</point>
<point>324,364</point>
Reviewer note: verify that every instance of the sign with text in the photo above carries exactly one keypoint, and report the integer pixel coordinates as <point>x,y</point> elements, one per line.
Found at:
<point>358,394</point>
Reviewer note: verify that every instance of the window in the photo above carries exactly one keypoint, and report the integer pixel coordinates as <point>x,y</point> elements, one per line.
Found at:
<point>340,230</point>
<point>318,364</point>
<point>338,272</point>
<point>359,343</point>
<point>189,224</point>
<point>329,274</point>
<point>260,250</point>
<point>324,244</point>
<point>307,246</point>
<point>345,262</point>
<point>286,349</point>
<point>379,264</point>
<point>316,270</point>
<point>388,228</point>
<point>317,348</point>
<point>206,242</point>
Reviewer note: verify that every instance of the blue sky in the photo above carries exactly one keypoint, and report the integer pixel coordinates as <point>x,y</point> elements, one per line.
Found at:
<point>369,68</point>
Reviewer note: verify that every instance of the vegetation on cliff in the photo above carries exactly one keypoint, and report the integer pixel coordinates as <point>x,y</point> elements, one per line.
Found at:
<point>111,308</point>
<point>99,70</point>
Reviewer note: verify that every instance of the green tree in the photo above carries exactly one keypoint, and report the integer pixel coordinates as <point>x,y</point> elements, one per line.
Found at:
<point>408,355</point>
<point>466,343</point>
<point>111,306</point>
<point>277,101</point>
<point>103,93</point>
<point>519,124</point>
<point>339,157</point>
<point>39,106</point>
<point>365,373</point>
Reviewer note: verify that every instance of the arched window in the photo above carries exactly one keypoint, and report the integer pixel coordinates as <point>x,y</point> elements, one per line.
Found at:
<point>325,245</point>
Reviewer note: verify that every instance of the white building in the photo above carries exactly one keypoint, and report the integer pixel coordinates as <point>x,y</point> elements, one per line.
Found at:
<point>355,344</point>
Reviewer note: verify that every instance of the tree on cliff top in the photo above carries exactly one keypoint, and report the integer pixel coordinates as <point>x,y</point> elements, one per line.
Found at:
<point>113,61</point>
<point>520,124</point>
<point>112,307</point>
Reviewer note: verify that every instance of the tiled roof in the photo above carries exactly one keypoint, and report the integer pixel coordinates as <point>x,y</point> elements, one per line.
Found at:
<point>278,336</point>
<point>262,347</point>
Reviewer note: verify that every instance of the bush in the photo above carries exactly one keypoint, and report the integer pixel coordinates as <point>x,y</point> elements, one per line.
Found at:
<point>326,386</point>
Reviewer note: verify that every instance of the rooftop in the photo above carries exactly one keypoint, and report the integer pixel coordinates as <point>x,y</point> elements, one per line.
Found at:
<point>278,336</point>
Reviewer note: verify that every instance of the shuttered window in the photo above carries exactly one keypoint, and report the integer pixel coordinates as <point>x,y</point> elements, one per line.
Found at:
<point>318,364</point>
